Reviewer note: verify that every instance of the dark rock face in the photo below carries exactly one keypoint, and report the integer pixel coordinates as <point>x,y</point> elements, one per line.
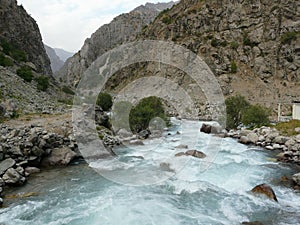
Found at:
<point>17,27</point>
<point>264,189</point>
<point>122,29</point>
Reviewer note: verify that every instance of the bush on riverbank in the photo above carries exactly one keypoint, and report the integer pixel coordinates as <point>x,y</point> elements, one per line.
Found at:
<point>255,115</point>
<point>104,100</point>
<point>146,110</point>
<point>240,111</point>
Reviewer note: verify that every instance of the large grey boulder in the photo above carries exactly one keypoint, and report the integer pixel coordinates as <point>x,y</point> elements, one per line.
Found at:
<point>253,138</point>
<point>12,177</point>
<point>296,178</point>
<point>59,157</point>
<point>6,164</point>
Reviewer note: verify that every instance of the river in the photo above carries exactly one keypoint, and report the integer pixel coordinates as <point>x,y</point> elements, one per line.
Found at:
<point>214,190</point>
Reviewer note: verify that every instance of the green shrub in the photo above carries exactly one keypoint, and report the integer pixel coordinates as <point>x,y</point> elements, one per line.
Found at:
<point>146,110</point>
<point>288,37</point>
<point>19,55</point>
<point>68,90</point>
<point>13,51</point>
<point>104,100</point>
<point>233,68</point>
<point>256,115</point>
<point>239,110</point>
<point>167,20</point>
<point>234,45</point>
<point>5,46</point>
<point>42,83</point>
<point>234,109</point>
<point>215,43</point>
<point>4,61</point>
<point>25,73</point>
<point>248,42</point>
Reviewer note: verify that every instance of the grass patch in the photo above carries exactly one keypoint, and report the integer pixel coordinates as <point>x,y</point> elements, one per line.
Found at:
<point>68,90</point>
<point>167,20</point>
<point>288,128</point>
<point>234,45</point>
<point>288,37</point>
<point>233,67</point>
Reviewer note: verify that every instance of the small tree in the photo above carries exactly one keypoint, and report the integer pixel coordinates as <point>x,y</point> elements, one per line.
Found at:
<point>104,100</point>
<point>25,73</point>
<point>256,115</point>
<point>234,108</point>
<point>42,83</point>
<point>147,109</point>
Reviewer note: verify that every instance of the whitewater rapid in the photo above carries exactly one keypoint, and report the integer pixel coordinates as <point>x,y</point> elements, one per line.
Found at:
<point>138,190</point>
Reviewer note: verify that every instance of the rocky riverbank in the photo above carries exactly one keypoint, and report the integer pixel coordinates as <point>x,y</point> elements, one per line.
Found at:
<point>24,149</point>
<point>268,138</point>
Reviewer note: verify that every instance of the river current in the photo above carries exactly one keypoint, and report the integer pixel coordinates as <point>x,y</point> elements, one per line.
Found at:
<point>213,190</point>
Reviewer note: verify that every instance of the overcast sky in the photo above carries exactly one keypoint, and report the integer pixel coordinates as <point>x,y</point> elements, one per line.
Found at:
<point>67,23</point>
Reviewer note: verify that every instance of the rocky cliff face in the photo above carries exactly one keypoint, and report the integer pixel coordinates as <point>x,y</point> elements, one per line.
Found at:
<point>252,47</point>
<point>254,41</point>
<point>123,28</point>
<point>17,27</point>
<point>56,62</point>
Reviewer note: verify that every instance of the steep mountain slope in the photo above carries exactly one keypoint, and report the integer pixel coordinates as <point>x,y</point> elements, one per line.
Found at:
<point>63,54</point>
<point>123,28</point>
<point>21,30</point>
<point>56,62</point>
<point>252,47</point>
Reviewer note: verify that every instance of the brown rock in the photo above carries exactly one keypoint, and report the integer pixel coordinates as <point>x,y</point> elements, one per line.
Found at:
<point>264,189</point>
<point>180,154</point>
<point>196,154</point>
<point>253,223</point>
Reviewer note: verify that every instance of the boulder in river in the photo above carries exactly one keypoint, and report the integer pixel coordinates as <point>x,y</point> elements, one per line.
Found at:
<point>59,157</point>
<point>181,147</point>
<point>264,189</point>
<point>205,128</point>
<point>180,154</point>
<point>296,178</point>
<point>252,223</point>
<point>196,154</point>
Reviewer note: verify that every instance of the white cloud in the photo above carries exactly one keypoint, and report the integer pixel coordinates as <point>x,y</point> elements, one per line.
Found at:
<point>67,23</point>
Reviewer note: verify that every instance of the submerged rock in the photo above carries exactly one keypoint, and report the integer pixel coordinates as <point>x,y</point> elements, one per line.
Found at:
<point>181,147</point>
<point>196,154</point>
<point>264,189</point>
<point>166,167</point>
<point>252,223</point>
<point>180,154</point>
